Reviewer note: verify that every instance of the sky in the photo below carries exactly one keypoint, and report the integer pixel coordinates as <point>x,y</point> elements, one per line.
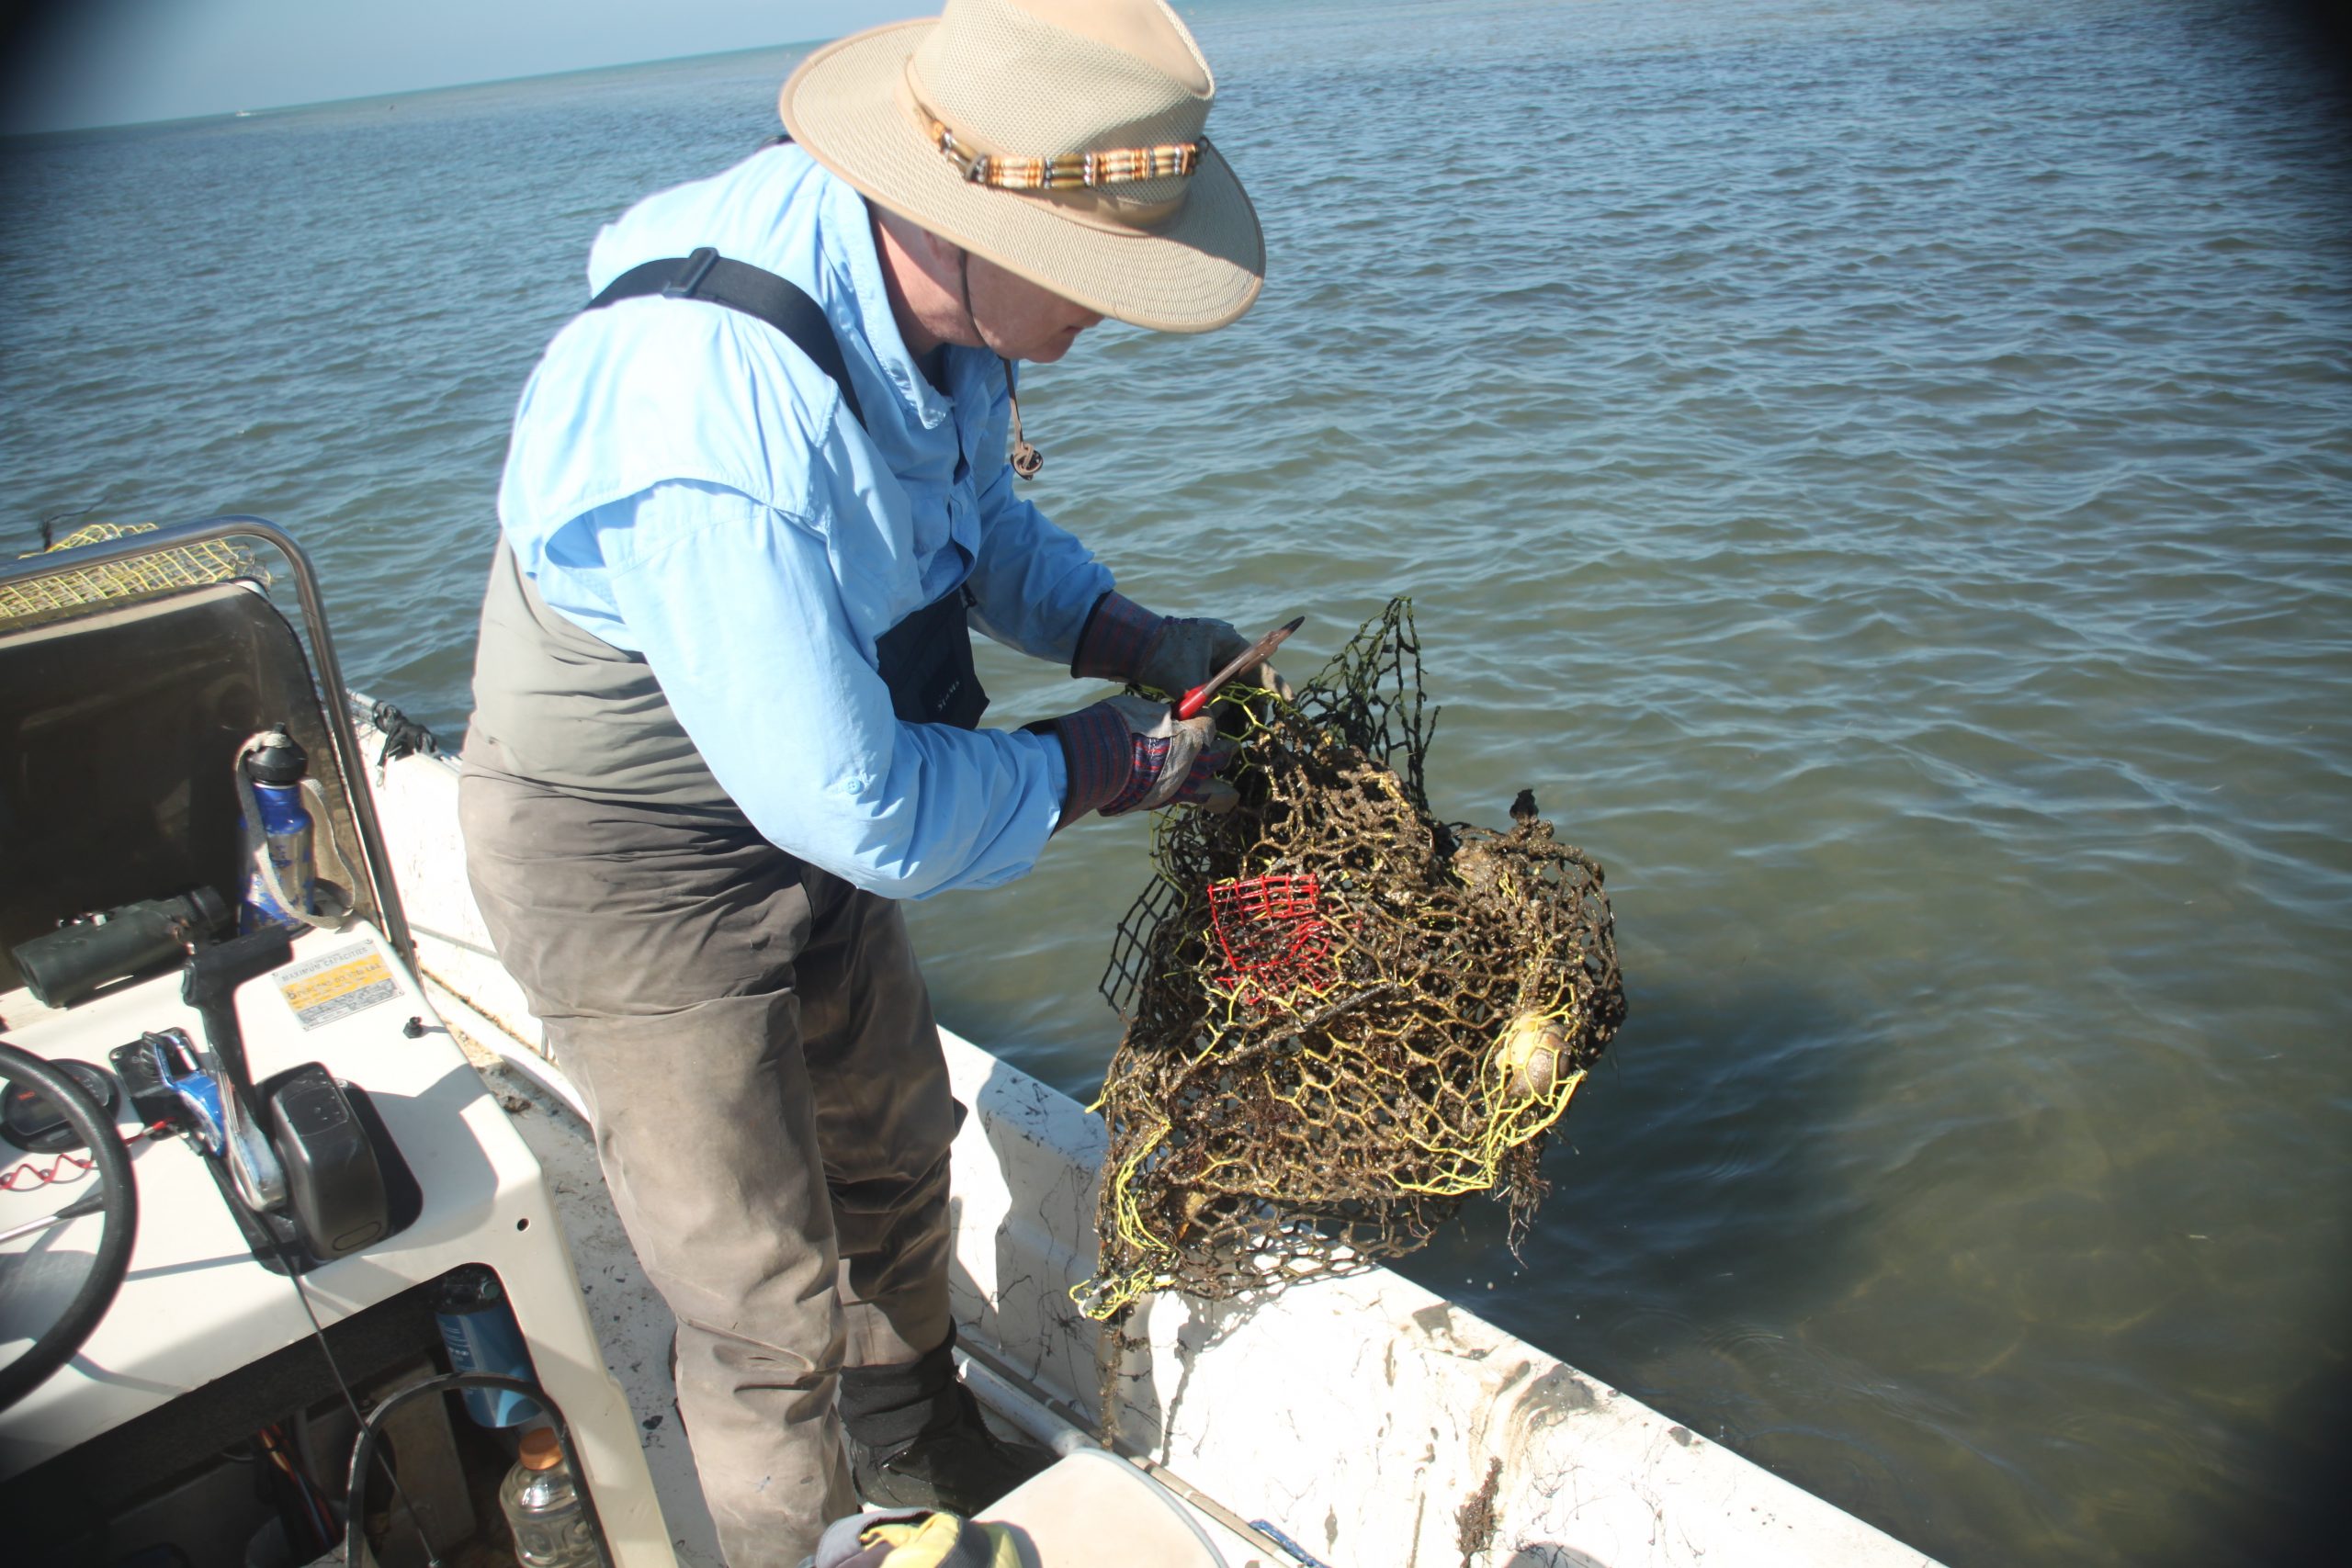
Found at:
<point>76,64</point>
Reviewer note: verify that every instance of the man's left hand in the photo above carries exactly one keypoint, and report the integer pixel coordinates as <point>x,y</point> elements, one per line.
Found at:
<point>1133,754</point>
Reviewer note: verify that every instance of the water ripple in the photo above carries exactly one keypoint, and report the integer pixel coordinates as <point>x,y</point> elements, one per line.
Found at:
<point>1881,474</point>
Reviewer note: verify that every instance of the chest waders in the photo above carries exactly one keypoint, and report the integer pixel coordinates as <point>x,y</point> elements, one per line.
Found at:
<point>926,660</point>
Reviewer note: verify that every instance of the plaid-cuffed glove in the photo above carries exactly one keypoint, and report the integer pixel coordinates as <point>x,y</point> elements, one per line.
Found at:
<point>1111,646</point>
<point>1130,755</point>
<point>1123,641</point>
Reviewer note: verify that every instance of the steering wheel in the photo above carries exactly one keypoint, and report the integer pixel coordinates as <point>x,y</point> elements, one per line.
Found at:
<point>119,1205</point>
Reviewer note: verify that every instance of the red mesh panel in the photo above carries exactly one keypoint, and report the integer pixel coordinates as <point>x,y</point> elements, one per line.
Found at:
<point>1273,933</point>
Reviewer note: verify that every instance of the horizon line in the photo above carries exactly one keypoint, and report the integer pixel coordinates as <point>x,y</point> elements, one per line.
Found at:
<point>180,121</point>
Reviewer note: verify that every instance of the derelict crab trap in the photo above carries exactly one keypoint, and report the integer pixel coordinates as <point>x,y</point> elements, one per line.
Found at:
<point>1343,1015</point>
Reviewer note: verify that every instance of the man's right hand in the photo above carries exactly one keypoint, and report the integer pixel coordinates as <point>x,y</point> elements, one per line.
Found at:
<point>1123,641</point>
<point>1132,754</point>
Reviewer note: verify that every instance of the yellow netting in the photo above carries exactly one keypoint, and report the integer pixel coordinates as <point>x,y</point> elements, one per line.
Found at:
<point>183,566</point>
<point>1343,1015</point>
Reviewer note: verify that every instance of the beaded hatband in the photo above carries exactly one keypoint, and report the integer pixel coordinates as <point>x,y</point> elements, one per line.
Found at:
<point>1069,171</point>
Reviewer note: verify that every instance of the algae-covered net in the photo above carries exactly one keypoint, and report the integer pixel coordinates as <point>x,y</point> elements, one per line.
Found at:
<point>1343,1016</point>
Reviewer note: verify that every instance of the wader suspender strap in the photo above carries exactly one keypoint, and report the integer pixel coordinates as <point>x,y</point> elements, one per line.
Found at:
<point>758,293</point>
<point>925,659</point>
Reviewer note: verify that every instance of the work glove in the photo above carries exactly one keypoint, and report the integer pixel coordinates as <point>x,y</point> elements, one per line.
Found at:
<point>1123,641</point>
<point>911,1537</point>
<point>1133,754</point>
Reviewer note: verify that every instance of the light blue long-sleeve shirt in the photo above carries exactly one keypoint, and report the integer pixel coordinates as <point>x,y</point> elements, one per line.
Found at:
<point>685,484</point>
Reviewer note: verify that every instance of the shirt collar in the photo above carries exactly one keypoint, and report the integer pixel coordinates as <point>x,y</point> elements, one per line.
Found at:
<point>845,249</point>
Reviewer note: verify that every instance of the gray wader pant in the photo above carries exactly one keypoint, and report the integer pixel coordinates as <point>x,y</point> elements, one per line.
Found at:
<point>771,1108</point>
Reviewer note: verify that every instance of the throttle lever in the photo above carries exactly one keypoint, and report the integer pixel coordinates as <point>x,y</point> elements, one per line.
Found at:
<point>209,984</point>
<point>180,1071</point>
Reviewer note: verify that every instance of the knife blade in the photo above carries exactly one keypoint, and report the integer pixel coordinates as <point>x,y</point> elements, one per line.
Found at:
<point>1258,652</point>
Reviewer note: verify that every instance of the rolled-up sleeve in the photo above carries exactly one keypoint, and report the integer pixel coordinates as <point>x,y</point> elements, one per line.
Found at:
<point>735,608</point>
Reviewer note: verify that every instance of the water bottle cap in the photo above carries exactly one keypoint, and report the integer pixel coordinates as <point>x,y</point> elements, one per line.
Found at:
<point>469,1289</point>
<point>539,1448</point>
<point>277,760</point>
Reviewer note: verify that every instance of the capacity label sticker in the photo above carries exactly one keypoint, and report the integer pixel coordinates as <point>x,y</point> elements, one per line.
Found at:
<point>337,985</point>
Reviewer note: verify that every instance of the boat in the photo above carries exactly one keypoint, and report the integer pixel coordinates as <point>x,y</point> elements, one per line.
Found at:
<point>1354,1421</point>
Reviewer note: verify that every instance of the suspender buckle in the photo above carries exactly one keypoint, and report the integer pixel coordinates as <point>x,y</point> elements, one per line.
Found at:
<point>699,266</point>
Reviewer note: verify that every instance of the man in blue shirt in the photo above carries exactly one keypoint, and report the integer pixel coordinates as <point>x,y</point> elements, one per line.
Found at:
<point>725,705</point>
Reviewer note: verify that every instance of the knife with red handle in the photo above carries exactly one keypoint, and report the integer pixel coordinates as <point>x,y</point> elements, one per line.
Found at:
<point>1258,652</point>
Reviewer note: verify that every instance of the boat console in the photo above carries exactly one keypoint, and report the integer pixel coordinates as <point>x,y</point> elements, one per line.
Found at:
<point>246,1244</point>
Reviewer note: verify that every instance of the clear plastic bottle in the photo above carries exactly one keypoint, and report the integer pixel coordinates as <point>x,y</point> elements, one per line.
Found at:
<point>543,1508</point>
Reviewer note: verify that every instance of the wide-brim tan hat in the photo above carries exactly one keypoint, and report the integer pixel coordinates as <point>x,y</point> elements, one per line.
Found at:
<point>1060,139</point>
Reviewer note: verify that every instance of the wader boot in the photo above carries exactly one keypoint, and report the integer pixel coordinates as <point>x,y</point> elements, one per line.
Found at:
<point>917,1441</point>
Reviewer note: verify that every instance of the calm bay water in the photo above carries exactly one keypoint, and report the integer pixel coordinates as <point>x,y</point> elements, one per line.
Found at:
<point>1880,473</point>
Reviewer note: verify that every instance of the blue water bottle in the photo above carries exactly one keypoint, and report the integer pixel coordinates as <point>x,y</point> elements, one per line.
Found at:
<point>275,768</point>
<point>479,1330</point>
